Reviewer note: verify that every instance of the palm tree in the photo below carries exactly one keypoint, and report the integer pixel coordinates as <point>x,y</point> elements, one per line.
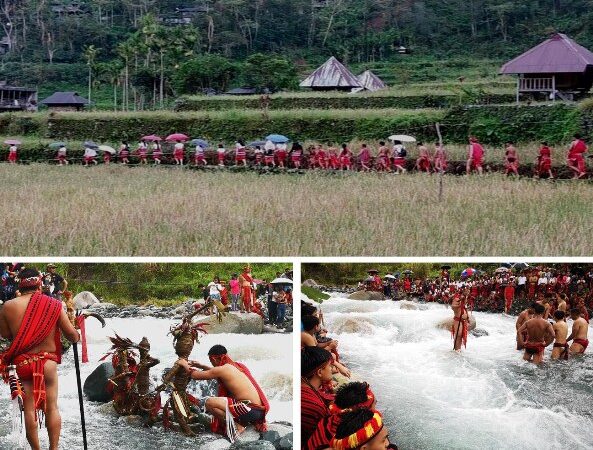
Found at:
<point>90,55</point>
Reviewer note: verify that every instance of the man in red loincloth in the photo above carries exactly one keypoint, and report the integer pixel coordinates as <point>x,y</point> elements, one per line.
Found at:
<point>34,321</point>
<point>540,334</point>
<point>460,327</point>
<point>240,401</point>
<point>246,282</point>
<point>578,336</point>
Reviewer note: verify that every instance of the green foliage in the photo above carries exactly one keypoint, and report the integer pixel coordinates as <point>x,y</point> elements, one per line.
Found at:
<point>204,71</point>
<point>269,71</point>
<point>314,294</point>
<point>152,283</point>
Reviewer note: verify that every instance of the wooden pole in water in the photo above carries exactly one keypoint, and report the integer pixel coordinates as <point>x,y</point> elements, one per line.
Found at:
<point>438,128</point>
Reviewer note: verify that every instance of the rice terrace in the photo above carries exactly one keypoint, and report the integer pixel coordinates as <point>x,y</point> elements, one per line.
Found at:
<point>388,151</point>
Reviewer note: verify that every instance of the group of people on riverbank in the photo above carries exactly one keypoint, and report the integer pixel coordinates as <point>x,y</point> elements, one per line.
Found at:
<point>52,283</point>
<point>388,158</point>
<point>242,293</point>
<point>334,417</point>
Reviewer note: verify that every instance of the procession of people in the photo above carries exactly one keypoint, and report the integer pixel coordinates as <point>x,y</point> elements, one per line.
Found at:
<point>178,150</point>
<point>334,415</point>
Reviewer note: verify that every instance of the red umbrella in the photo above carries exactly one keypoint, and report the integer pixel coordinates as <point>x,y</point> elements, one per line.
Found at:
<point>151,138</point>
<point>177,137</point>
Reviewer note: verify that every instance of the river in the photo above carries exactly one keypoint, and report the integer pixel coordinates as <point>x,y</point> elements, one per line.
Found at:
<point>270,361</point>
<point>487,397</point>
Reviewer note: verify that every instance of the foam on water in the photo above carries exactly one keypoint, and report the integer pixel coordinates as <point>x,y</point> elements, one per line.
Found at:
<point>487,397</point>
<point>270,362</point>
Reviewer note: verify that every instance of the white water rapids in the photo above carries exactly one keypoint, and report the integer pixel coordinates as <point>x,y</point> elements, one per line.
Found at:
<point>269,359</point>
<point>487,397</point>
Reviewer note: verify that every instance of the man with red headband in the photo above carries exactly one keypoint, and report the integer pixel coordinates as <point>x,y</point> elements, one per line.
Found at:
<point>349,397</point>
<point>475,156</point>
<point>240,400</point>
<point>246,282</point>
<point>34,321</point>
<point>362,429</point>
<point>540,334</point>
<point>578,336</point>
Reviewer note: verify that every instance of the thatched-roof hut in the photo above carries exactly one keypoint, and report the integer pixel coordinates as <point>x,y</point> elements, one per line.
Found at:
<point>332,75</point>
<point>558,67</point>
<point>370,81</point>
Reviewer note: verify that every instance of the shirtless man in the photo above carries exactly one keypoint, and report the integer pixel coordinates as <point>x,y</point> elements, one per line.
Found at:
<point>540,334</point>
<point>311,326</point>
<point>40,341</point>
<point>562,306</point>
<point>460,319</point>
<point>238,392</point>
<point>560,350</point>
<point>578,336</point>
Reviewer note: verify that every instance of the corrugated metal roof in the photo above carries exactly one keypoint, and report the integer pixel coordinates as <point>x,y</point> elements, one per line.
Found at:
<point>331,74</point>
<point>65,98</point>
<point>370,81</point>
<point>559,54</point>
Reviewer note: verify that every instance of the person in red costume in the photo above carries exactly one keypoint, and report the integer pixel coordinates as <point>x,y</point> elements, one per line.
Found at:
<point>575,159</point>
<point>544,161</point>
<point>459,328</point>
<point>34,322</point>
<point>509,296</point>
<point>475,155</point>
<point>240,401</point>
<point>246,282</point>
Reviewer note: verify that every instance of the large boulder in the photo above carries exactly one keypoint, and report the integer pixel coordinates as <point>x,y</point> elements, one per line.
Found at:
<point>446,324</point>
<point>95,386</point>
<point>253,445</point>
<point>407,305</point>
<point>234,322</point>
<point>366,295</point>
<point>310,283</point>
<point>85,299</point>
<point>284,443</point>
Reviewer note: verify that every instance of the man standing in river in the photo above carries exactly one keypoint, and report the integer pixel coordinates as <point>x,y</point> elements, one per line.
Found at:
<point>540,334</point>
<point>580,329</point>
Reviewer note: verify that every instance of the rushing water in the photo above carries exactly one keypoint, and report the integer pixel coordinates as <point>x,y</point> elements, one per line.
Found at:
<point>487,397</point>
<point>270,361</point>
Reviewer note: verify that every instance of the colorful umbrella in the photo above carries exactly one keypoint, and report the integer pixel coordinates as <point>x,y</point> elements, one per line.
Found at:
<point>151,138</point>
<point>12,142</point>
<point>107,148</point>
<point>177,137</point>
<point>201,142</point>
<point>469,272</point>
<point>277,138</point>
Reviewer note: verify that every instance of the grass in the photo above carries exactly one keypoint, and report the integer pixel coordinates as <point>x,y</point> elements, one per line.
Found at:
<point>314,294</point>
<point>109,211</point>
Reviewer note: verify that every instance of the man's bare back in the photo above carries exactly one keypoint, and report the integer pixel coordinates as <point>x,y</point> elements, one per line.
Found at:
<point>540,334</point>
<point>560,333</point>
<point>580,331</point>
<point>238,384</point>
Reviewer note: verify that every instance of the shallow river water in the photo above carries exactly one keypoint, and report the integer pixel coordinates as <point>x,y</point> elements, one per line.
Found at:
<point>269,357</point>
<point>484,398</point>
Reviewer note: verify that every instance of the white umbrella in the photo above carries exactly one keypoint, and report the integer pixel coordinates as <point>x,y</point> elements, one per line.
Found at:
<point>501,270</point>
<point>282,281</point>
<point>107,148</point>
<point>402,138</point>
<point>390,276</point>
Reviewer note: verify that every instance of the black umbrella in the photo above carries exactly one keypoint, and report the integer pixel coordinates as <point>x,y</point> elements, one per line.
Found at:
<point>445,267</point>
<point>372,271</point>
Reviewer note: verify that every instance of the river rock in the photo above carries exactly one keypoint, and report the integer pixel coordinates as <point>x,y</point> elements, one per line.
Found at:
<point>253,445</point>
<point>446,324</point>
<point>310,283</point>
<point>404,304</point>
<point>479,332</point>
<point>234,322</point>
<point>271,436</point>
<point>103,307</point>
<point>351,325</point>
<point>96,383</point>
<point>284,443</point>
<point>366,295</point>
<point>282,428</point>
<point>85,299</point>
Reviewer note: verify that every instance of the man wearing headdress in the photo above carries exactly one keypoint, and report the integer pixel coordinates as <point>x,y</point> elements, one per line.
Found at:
<point>240,399</point>
<point>362,429</point>
<point>34,322</point>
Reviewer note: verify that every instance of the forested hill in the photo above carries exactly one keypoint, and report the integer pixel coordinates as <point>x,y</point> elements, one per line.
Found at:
<point>141,51</point>
<point>354,30</point>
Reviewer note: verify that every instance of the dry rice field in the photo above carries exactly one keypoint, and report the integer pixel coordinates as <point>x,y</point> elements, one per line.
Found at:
<point>120,211</point>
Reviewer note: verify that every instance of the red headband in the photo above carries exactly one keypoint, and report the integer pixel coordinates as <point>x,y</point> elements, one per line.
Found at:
<point>367,404</point>
<point>369,430</point>
<point>220,360</point>
<point>25,283</point>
